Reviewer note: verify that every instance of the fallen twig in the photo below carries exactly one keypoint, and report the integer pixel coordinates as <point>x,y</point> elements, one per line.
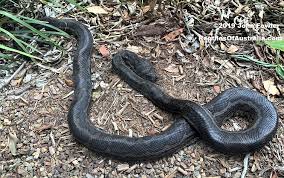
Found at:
<point>246,161</point>
<point>6,82</point>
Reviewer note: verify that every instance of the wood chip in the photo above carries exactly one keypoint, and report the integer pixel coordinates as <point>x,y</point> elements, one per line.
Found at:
<point>132,168</point>
<point>51,150</point>
<point>130,133</point>
<point>182,171</point>
<point>122,109</point>
<point>156,115</point>
<point>122,167</point>
<point>172,68</point>
<point>44,127</point>
<point>179,78</point>
<point>12,142</point>
<point>115,126</point>
<point>96,10</point>
<point>180,69</point>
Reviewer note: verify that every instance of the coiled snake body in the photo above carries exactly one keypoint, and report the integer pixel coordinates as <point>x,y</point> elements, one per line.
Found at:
<point>191,120</point>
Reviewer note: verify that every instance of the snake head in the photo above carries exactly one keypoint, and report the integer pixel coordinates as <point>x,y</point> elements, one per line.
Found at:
<point>139,65</point>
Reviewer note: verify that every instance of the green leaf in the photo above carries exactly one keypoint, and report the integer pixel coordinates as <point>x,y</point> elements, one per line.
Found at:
<point>15,18</point>
<point>45,24</point>
<point>251,59</point>
<point>280,71</point>
<point>21,43</point>
<point>76,4</point>
<point>275,44</point>
<point>18,51</point>
<point>5,56</point>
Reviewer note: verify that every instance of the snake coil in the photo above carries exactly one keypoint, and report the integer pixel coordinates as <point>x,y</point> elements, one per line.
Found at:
<point>192,119</point>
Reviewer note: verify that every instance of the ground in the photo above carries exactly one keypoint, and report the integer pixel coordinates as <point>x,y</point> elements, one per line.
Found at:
<point>35,139</point>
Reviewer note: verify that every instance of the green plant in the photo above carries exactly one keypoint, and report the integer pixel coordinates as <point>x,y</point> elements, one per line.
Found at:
<point>21,37</point>
<point>278,67</point>
<point>275,44</point>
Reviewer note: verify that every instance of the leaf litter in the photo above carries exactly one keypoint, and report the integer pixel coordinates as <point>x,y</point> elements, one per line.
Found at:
<point>42,109</point>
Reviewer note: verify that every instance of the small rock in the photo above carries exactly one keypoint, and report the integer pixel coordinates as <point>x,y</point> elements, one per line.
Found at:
<point>75,162</point>
<point>36,153</point>
<point>148,166</point>
<point>28,78</point>
<point>223,170</point>
<point>104,85</point>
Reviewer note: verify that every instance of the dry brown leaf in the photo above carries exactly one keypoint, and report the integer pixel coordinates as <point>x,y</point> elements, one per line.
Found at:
<point>232,49</point>
<point>217,88</point>
<point>135,49</point>
<point>2,38</point>
<point>270,87</point>
<point>69,82</point>
<point>96,10</point>
<point>145,9</point>
<point>152,131</point>
<point>201,42</point>
<point>172,68</point>
<point>274,174</point>
<point>16,82</point>
<point>104,51</point>
<point>173,35</point>
<point>223,47</point>
<point>125,15</point>
<point>44,127</point>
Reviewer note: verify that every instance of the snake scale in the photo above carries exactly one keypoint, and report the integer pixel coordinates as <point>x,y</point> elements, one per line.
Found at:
<point>191,119</point>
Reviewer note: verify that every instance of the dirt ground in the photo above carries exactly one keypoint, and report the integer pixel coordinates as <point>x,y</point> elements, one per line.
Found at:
<point>35,139</point>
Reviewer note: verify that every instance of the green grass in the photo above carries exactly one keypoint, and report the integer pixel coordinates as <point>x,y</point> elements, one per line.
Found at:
<point>277,45</point>
<point>20,37</point>
<point>27,30</point>
<point>278,67</point>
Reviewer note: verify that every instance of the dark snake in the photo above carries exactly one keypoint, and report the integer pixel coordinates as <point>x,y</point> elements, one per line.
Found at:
<point>191,119</point>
